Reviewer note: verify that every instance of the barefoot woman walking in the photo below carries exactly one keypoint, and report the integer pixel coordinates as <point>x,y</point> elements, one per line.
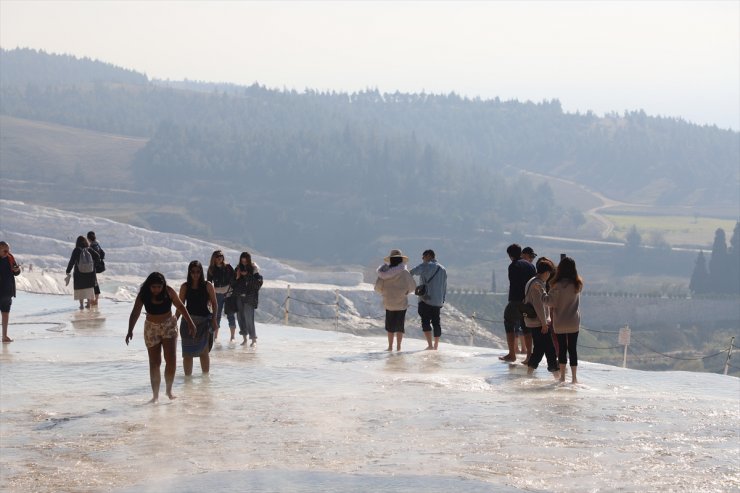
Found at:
<point>160,329</point>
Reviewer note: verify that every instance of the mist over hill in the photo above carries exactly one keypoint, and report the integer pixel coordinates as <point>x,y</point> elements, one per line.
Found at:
<point>328,176</point>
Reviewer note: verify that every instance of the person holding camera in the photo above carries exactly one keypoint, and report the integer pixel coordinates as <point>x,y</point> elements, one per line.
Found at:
<point>246,289</point>
<point>8,270</point>
<point>434,278</point>
<point>221,274</point>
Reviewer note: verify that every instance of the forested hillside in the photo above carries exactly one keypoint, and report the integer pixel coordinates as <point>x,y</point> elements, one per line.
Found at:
<point>276,168</point>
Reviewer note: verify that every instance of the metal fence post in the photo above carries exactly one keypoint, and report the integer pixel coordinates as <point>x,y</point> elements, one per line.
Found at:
<point>287,306</point>
<point>336,309</point>
<point>624,339</point>
<point>729,354</point>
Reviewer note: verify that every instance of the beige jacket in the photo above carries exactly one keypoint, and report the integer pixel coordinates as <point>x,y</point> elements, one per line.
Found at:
<point>395,284</point>
<point>534,295</point>
<point>563,301</point>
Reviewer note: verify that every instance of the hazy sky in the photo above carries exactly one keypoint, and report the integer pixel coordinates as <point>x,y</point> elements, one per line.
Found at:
<point>668,58</point>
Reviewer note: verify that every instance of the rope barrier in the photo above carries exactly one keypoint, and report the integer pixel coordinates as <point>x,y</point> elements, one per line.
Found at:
<point>276,315</point>
<point>591,347</point>
<point>678,357</point>
<point>341,302</point>
<point>310,302</point>
<point>310,316</point>
<point>600,331</point>
<point>486,319</point>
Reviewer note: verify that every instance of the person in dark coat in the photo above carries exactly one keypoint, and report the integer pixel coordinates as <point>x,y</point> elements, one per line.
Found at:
<point>101,253</point>
<point>83,282</point>
<point>8,270</point>
<point>246,289</point>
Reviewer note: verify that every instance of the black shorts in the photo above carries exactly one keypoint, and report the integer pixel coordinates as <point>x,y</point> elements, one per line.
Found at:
<point>5,303</point>
<point>394,321</point>
<point>513,321</point>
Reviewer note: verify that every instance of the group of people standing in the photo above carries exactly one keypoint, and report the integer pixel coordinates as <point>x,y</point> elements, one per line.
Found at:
<point>544,303</point>
<point>395,282</point>
<point>200,302</point>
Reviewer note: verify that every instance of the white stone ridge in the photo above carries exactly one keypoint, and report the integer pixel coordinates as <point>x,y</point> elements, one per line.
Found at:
<point>43,238</point>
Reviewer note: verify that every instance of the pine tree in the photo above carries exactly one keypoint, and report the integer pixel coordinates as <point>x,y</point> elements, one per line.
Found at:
<point>633,239</point>
<point>700,277</point>
<point>493,281</point>
<point>733,261</point>
<point>718,281</point>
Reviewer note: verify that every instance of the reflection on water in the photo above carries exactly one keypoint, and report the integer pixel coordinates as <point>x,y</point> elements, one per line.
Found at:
<point>311,482</point>
<point>314,410</point>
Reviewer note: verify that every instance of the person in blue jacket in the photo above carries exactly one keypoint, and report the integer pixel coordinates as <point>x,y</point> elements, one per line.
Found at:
<point>433,275</point>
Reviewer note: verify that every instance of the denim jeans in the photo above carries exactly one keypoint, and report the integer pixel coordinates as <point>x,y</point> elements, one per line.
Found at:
<point>245,317</point>
<point>220,297</point>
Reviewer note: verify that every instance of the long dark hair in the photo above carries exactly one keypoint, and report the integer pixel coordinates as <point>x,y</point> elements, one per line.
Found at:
<point>567,271</point>
<point>145,293</point>
<point>212,263</point>
<point>201,282</point>
<point>82,242</point>
<point>250,265</point>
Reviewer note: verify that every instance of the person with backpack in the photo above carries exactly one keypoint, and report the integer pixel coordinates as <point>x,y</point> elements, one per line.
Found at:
<point>83,261</point>
<point>100,266</point>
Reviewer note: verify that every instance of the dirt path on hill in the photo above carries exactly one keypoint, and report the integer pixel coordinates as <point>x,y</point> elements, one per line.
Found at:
<point>595,212</point>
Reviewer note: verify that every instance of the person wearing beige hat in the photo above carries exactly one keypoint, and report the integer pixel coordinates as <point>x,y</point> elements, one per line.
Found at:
<point>395,283</point>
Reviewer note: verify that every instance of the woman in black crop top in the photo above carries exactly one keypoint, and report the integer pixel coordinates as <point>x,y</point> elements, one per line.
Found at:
<point>198,294</point>
<point>160,329</point>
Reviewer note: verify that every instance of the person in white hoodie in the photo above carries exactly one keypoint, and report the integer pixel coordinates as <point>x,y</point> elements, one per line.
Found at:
<point>395,283</point>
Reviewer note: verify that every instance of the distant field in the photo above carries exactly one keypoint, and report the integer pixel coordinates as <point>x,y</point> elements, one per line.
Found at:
<point>676,230</point>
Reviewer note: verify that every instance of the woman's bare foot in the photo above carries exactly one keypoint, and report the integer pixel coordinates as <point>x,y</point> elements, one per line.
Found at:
<point>153,400</point>
<point>254,343</point>
<point>244,342</point>
<point>171,395</point>
<point>429,348</point>
<point>7,339</point>
<point>389,348</point>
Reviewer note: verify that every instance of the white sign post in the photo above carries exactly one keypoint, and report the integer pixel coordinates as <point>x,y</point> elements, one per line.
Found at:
<point>624,340</point>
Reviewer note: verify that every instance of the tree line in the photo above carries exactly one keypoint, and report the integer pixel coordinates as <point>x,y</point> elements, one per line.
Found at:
<point>625,156</point>
<point>272,167</point>
<point>721,274</point>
